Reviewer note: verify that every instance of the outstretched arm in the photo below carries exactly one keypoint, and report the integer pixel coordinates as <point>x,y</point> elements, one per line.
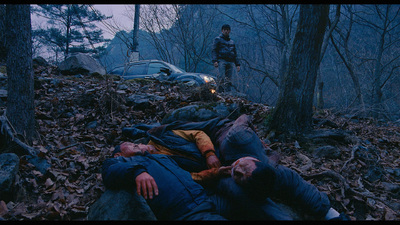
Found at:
<point>211,174</point>
<point>204,144</point>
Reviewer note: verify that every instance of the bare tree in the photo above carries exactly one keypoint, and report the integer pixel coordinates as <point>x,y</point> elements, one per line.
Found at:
<point>347,56</point>
<point>293,112</point>
<point>180,32</point>
<point>367,42</point>
<point>20,103</point>
<point>320,85</point>
<point>385,23</point>
<point>3,45</point>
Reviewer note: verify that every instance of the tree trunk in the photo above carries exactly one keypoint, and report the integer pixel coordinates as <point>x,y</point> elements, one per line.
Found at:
<point>293,113</point>
<point>3,50</point>
<point>377,97</point>
<point>320,96</point>
<point>20,104</point>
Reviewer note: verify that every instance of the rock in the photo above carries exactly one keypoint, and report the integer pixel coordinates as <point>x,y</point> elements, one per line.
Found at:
<point>120,205</point>
<point>373,174</point>
<point>3,93</point>
<point>39,61</point>
<point>9,165</point>
<point>331,137</point>
<point>81,64</point>
<point>92,125</point>
<point>201,113</point>
<point>390,187</point>
<point>328,151</point>
<point>142,101</point>
<point>41,164</point>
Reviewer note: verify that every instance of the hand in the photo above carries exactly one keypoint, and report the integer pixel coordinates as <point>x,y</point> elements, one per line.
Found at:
<point>238,68</point>
<point>146,183</point>
<point>213,161</point>
<point>216,64</point>
<point>225,170</point>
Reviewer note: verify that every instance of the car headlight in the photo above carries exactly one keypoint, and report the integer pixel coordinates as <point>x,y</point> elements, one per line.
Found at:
<point>206,78</point>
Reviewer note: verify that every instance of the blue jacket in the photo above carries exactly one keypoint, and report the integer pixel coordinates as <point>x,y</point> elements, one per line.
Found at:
<point>178,194</point>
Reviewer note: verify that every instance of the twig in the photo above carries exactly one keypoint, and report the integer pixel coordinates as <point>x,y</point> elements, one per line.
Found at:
<point>355,148</point>
<point>6,127</point>
<point>69,146</point>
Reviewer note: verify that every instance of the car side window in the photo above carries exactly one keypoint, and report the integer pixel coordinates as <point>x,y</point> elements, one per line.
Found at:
<point>136,69</point>
<point>155,67</point>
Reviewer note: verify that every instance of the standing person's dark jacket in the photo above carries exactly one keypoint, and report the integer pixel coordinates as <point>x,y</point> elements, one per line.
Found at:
<point>178,194</point>
<point>224,48</point>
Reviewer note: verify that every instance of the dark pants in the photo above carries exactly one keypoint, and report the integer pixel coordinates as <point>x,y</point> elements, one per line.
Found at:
<point>205,211</point>
<point>224,78</point>
<point>234,204</point>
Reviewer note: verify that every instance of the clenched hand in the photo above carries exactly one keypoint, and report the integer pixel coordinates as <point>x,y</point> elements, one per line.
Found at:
<point>213,162</point>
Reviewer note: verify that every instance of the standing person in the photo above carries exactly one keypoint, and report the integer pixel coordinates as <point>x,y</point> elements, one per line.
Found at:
<point>224,57</point>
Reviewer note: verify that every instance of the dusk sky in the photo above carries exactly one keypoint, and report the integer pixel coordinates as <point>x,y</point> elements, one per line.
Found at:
<point>120,14</point>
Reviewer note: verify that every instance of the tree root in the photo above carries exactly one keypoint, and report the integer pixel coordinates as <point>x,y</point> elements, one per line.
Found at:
<point>6,128</point>
<point>306,160</point>
<point>355,148</point>
<point>346,187</point>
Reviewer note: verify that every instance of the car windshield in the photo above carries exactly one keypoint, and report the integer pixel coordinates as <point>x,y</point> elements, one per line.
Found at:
<point>175,68</point>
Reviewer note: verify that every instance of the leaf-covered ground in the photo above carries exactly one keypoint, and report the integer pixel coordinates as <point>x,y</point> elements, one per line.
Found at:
<point>80,119</point>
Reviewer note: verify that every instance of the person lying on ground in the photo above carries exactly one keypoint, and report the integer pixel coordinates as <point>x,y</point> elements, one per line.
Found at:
<point>241,152</point>
<point>169,190</point>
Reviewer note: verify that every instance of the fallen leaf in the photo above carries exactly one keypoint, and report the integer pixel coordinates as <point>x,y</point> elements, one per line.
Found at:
<point>48,183</point>
<point>30,216</point>
<point>390,214</point>
<point>3,208</point>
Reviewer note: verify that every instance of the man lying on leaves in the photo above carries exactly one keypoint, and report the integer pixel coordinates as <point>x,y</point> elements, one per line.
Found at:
<point>247,179</point>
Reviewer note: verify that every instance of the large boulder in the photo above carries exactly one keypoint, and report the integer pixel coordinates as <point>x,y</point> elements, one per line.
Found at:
<point>9,165</point>
<point>120,205</point>
<point>81,64</point>
<point>39,61</point>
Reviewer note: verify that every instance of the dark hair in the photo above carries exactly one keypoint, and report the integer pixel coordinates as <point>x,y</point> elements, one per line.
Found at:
<point>116,150</point>
<point>261,182</point>
<point>226,26</point>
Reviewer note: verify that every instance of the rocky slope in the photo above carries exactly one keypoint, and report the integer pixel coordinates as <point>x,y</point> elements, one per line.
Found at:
<point>355,161</point>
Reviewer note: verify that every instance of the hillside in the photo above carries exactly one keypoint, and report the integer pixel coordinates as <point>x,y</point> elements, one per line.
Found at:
<point>80,120</point>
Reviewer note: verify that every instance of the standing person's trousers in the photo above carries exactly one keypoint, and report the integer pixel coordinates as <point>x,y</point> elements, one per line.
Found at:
<point>224,78</point>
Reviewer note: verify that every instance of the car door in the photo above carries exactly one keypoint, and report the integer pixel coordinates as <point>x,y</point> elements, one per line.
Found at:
<point>154,69</point>
<point>136,70</point>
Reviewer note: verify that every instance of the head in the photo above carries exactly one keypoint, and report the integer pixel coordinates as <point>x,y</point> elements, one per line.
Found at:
<point>261,181</point>
<point>255,176</point>
<point>128,149</point>
<point>243,168</point>
<point>226,29</point>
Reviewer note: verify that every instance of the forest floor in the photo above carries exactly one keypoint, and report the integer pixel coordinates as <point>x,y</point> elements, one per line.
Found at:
<point>79,120</point>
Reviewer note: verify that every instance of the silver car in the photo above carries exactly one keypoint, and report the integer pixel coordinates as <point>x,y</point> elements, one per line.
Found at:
<point>157,69</point>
